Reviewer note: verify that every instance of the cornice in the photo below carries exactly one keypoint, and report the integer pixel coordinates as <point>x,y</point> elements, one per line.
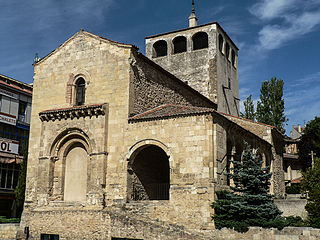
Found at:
<point>73,112</point>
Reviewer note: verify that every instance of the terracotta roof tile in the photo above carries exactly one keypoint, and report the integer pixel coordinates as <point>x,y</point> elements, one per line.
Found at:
<point>170,110</point>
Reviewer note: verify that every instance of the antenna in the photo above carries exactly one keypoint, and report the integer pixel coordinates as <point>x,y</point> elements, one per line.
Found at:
<point>193,20</point>
<point>193,10</point>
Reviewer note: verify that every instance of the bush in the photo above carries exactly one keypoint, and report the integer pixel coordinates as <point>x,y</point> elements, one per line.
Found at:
<point>3,219</point>
<point>293,189</point>
<point>295,221</point>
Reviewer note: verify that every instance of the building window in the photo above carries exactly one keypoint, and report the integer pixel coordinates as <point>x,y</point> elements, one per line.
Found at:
<point>229,83</point>
<point>227,50</point>
<point>200,40</point>
<point>220,43</point>
<point>233,57</point>
<point>22,111</point>
<point>179,44</point>
<point>9,173</point>
<point>80,91</point>
<point>160,48</point>
<point>49,237</point>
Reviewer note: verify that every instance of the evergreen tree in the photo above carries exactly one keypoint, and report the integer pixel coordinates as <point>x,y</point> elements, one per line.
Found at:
<point>249,204</point>
<point>310,184</point>
<point>21,187</point>
<point>249,112</point>
<point>270,107</point>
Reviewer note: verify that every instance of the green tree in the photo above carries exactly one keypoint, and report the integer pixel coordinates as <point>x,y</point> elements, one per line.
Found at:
<point>249,112</point>
<point>21,187</point>
<point>270,107</point>
<point>250,203</point>
<point>311,184</point>
<point>310,141</point>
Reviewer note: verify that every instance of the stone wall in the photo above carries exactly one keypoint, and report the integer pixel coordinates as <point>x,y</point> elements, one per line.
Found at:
<point>292,207</point>
<point>152,86</point>
<point>8,231</point>
<point>256,233</point>
<point>271,135</point>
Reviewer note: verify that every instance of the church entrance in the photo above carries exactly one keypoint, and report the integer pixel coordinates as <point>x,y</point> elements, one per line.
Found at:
<point>149,174</point>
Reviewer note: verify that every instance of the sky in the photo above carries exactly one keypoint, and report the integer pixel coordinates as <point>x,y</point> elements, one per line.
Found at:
<point>276,38</point>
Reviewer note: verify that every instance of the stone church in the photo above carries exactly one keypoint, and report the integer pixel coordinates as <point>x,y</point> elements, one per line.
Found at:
<point>131,146</point>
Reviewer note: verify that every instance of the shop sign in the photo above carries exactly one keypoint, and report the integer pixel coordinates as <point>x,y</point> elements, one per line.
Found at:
<point>9,146</point>
<point>7,118</point>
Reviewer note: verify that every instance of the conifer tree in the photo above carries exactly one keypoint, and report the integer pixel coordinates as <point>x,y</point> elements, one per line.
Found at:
<point>270,107</point>
<point>249,112</point>
<point>310,184</point>
<point>250,203</point>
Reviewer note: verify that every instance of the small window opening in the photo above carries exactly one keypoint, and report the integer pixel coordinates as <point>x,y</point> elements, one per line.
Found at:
<point>160,48</point>
<point>179,44</point>
<point>80,92</point>
<point>200,41</point>
<point>220,43</point>
<point>49,237</point>
<point>229,83</point>
<point>227,50</point>
<point>233,57</point>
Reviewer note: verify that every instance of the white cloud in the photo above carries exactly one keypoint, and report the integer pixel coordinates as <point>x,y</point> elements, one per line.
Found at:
<point>270,9</point>
<point>275,36</point>
<point>302,99</point>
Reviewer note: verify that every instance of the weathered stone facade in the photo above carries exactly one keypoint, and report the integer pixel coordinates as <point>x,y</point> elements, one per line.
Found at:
<point>140,157</point>
<point>208,70</point>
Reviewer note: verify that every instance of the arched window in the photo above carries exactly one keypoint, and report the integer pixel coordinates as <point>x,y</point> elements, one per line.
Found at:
<point>160,48</point>
<point>200,40</point>
<point>80,90</point>
<point>220,43</point>
<point>179,44</point>
<point>233,57</point>
<point>227,50</point>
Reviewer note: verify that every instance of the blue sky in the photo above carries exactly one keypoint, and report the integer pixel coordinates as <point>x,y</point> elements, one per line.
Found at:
<point>276,37</point>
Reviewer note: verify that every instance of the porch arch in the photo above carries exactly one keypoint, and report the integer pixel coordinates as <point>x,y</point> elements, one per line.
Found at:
<point>148,172</point>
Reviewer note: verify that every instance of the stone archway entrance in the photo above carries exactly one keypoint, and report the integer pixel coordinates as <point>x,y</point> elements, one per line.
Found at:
<point>149,174</point>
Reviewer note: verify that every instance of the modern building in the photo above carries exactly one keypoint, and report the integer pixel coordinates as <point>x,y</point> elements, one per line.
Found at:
<point>15,113</point>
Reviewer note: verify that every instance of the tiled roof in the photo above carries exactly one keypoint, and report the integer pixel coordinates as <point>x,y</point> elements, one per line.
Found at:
<point>170,110</point>
<point>15,84</point>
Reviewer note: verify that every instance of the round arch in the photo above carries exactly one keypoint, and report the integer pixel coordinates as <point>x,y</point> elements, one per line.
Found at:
<point>148,171</point>
<point>66,135</point>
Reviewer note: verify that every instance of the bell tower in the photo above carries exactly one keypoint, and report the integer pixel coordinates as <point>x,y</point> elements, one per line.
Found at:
<point>204,57</point>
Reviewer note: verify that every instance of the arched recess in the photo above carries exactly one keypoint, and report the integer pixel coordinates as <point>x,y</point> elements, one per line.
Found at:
<point>227,50</point>
<point>179,44</point>
<point>148,173</point>
<point>233,57</point>
<point>160,48</point>
<point>74,82</point>
<point>69,169</point>
<point>221,43</point>
<point>200,40</point>
<point>80,91</point>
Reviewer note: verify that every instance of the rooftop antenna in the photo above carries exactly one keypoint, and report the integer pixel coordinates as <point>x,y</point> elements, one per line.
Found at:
<point>193,20</point>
